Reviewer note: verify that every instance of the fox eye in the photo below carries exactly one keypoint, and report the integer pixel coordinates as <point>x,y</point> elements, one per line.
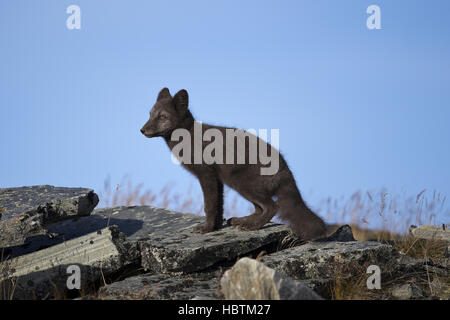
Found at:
<point>162,117</point>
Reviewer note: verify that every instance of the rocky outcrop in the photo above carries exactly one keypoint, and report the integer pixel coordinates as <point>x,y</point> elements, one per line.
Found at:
<point>27,211</point>
<point>249,279</point>
<point>321,260</point>
<point>189,252</point>
<point>143,252</point>
<point>135,222</point>
<point>335,266</point>
<point>45,273</point>
<point>146,238</point>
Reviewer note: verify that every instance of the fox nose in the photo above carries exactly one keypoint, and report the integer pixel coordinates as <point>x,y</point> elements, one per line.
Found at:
<point>142,130</point>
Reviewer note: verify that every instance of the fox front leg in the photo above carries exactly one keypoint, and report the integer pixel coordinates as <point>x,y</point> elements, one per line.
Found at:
<point>213,198</point>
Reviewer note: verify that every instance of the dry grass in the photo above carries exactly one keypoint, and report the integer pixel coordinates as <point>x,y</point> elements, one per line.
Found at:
<point>7,286</point>
<point>350,283</point>
<point>382,215</point>
<point>421,248</point>
<point>128,194</point>
<point>373,215</point>
<point>429,284</point>
<point>429,281</point>
<point>7,290</point>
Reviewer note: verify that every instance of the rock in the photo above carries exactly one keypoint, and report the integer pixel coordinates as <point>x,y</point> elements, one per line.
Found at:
<point>44,273</point>
<point>406,291</point>
<point>342,234</point>
<point>339,233</point>
<point>44,230</point>
<point>164,237</point>
<point>136,222</point>
<point>414,278</point>
<point>430,232</point>
<point>51,203</point>
<point>319,260</point>
<point>163,287</point>
<point>186,252</point>
<point>440,235</point>
<point>249,279</point>
<point>319,286</point>
<point>407,264</point>
<point>166,240</point>
<point>361,233</point>
<point>27,211</point>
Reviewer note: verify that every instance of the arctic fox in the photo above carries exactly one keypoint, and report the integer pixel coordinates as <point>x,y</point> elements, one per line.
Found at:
<point>269,193</point>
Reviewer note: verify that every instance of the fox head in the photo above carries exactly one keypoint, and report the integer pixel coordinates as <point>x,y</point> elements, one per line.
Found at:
<point>167,114</point>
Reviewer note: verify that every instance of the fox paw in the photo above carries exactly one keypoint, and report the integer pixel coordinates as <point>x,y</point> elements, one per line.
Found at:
<point>248,226</point>
<point>203,228</point>
<point>238,221</point>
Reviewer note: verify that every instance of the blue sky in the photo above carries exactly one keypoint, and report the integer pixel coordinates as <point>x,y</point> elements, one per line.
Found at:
<point>356,108</point>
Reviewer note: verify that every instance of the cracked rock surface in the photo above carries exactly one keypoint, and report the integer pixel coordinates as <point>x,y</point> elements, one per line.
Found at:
<point>27,211</point>
<point>185,251</point>
<point>163,286</point>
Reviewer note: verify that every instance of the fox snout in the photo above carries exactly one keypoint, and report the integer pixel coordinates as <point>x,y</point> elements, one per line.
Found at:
<point>151,130</point>
<point>146,132</point>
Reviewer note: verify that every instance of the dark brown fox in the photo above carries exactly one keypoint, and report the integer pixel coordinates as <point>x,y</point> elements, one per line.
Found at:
<point>268,193</point>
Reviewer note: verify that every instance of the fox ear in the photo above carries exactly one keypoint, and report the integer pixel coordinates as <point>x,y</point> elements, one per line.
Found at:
<point>181,101</point>
<point>163,94</point>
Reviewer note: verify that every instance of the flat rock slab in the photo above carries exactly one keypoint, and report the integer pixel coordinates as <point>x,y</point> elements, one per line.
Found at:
<point>165,237</point>
<point>162,287</point>
<point>45,273</point>
<point>27,211</point>
<point>51,202</point>
<point>321,260</point>
<point>184,251</point>
<point>136,222</point>
<point>431,233</point>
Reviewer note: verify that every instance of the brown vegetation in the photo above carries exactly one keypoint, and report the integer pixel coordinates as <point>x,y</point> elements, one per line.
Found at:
<point>372,215</point>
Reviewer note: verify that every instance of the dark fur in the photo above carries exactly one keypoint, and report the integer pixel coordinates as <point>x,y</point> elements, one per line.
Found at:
<point>244,178</point>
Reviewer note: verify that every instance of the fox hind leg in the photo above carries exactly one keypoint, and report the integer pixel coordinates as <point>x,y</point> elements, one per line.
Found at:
<point>236,221</point>
<point>269,209</point>
<point>265,210</point>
